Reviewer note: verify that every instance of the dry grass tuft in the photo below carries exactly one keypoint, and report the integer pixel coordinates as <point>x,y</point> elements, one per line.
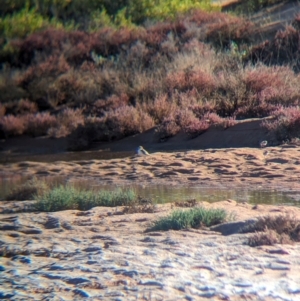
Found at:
<point>271,230</point>
<point>140,205</point>
<point>185,204</point>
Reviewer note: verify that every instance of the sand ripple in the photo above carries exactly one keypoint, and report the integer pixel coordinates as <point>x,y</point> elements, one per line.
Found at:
<point>248,166</point>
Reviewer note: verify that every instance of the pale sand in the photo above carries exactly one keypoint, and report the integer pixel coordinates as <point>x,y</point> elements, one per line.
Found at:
<point>102,254</point>
<point>277,167</point>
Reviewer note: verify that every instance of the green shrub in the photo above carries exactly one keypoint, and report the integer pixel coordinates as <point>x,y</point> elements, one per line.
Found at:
<point>141,10</point>
<point>69,197</point>
<point>193,218</point>
<point>24,22</point>
<point>30,15</point>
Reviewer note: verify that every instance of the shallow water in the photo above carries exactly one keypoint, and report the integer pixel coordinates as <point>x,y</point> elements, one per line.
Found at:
<point>66,156</point>
<point>168,193</point>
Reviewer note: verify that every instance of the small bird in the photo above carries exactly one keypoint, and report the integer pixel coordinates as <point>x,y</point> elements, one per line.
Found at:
<point>263,144</point>
<point>141,151</point>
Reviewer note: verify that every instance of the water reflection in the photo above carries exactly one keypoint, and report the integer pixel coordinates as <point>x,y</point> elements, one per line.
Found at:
<point>167,193</point>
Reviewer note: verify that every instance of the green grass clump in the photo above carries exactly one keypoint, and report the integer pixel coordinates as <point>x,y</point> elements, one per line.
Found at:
<point>69,197</point>
<point>193,218</point>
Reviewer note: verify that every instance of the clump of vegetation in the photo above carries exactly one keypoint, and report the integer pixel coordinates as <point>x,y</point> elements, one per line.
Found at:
<point>282,50</point>
<point>69,197</point>
<point>192,218</point>
<point>33,187</point>
<point>185,204</point>
<point>270,230</point>
<point>252,6</point>
<point>285,123</point>
<point>140,205</point>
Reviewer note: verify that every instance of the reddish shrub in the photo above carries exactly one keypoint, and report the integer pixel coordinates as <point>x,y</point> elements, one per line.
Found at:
<point>187,80</point>
<point>139,55</point>
<point>157,33</point>
<point>39,124</point>
<point>184,120</point>
<point>64,88</point>
<point>111,103</point>
<point>160,109</point>
<point>201,109</point>
<point>26,106</point>
<point>195,45</point>
<point>45,41</point>
<point>194,126</point>
<point>220,29</point>
<point>286,123</point>
<point>13,125</point>
<point>255,110</point>
<point>2,110</point>
<point>52,66</point>
<point>201,17</point>
<point>169,46</point>
<point>263,77</point>
<point>126,121</point>
<point>168,128</point>
<point>67,121</point>
<point>54,41</point>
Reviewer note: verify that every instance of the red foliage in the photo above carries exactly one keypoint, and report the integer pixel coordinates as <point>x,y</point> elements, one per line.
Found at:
<point>12,125</point>
<point>221,29</point>
<point>286,123</point>
<point>2,110</point>
<point>168,128</point>
<point>126,121</point>
<point>39,124</point>
<point>111,103</point>
<point>67,121</point>
<point>52,66</point>
<point>187,80</point>
<point>156,34</point>
<point>261,78</point>
<point>161,108</point>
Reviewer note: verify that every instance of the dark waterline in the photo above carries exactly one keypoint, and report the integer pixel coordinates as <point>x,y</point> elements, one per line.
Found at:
<point>66,156</point>
<point>167,193</point>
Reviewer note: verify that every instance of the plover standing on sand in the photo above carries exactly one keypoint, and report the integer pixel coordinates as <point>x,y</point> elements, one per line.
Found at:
<point>263,144</point>
<point>141,151</point>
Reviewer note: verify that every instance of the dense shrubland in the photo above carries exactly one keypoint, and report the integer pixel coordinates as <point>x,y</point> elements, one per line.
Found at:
<point>187,73</point>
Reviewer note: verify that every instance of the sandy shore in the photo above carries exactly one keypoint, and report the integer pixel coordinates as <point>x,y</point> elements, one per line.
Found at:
<point>103,254</point>
<point>253,167</point>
